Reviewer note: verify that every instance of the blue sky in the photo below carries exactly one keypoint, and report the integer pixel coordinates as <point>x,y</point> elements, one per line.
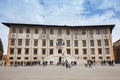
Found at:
<point>60,12</point>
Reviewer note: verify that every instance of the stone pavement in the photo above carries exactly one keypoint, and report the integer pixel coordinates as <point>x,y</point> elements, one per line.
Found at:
<point>53,72</point>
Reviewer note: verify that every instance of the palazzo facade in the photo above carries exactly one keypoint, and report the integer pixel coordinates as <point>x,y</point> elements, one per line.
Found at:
<point>36,42</point>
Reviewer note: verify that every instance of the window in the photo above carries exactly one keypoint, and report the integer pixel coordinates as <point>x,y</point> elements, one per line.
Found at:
<point>12,42</point>
<point>11,58</point>
<point>35,51</point>
<point>99,42</point>
<point>92,51</point>
<point>108,57</point>
<point>99,51</point>
<point>27,51</point>
<point>60,42</point>
<point>100,58</point>
<point>11,51</point>
<point>105,31</point>
<point>36,31</point>
<point>44,31</point>
<point>26,58</point>
<point>76,51</point>
<point>27,30</point>
<point>35,58</point>
<point>51,42</point>
<point>107,51</point>
<point>93,58</point>
<point>59,50</point>
<point>83,32</point>
<point>43,51</point>
<point>18,58</point>
<point>76,43</point>
<point>85,58</point>
<point>13,30</point>
<point>92,43</point>
<point>106,42</point>
<point>84,43</point>
<point>27,42</point>
<point>59,31</point>
<point>98,31</point>
<point>36,42</point>
<point>84,51</point>
<point>91,32</point>
<point>67,31</point>
<point>19,51</point>
<point>68,43</point>
<point>68,51</point>
<point>76,31</point>
<point>51,51</point>
<point>20,30</point>
<point>19,42</point>
<point>43,42</point>
<point>51,31</point>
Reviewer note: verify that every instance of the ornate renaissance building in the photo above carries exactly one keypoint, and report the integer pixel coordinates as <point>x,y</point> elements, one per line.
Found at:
<point>34,42</point>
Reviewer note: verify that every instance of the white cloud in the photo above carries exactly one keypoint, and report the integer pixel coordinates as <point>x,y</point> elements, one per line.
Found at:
<point>115,4</point>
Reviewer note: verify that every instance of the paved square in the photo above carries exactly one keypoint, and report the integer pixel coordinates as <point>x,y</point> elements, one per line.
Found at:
<point>53,72</point>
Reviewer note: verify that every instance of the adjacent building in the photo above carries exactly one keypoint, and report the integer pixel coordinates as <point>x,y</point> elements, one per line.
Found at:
<point>36,42</point>
<point>116,47</point>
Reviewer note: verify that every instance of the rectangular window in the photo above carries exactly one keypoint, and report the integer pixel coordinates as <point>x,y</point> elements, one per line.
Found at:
<point>13,30</point>
<point>44,31</point>
<point>84,51</point>
<point>19,42</point>
<point>83,32</point>
<point>18,58</point>
<point>51,51</point>
<point>20,30</point>
<point>92,43</point>
<point>91,32</point>
<point>59,31</point>
<point>85,58</point>
<point>59,50</point>
<point>68,43</point>
<point>35,51</point>
<point>107,51</point>
<point>51,42</point>
<point>51,31</point>
<point>76,51</point>
<point>105,31</point>
<point>26,58</point>
<point>19,51</point>
<point>27,30</point>
<point>27,42</point>
<point>43,51</point>
<point>106,42</point>
<point>12,42</point>
<point>67,31</point>
<point>100,58</point>
<point>35,58</point>
<point>27,51</point>
<point>76,31</point>
<point>43,42</point>
<point>92,51</point>
<point>36,31</point>
<point>36,42</point>
<point>11,51</point>
<point>84,43</point>
<point>76,43</point>
<point>99,51</point>
<point>11,58</point>
<point>97,31</point>
<point>68,51</point>
<point>99,42</point>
